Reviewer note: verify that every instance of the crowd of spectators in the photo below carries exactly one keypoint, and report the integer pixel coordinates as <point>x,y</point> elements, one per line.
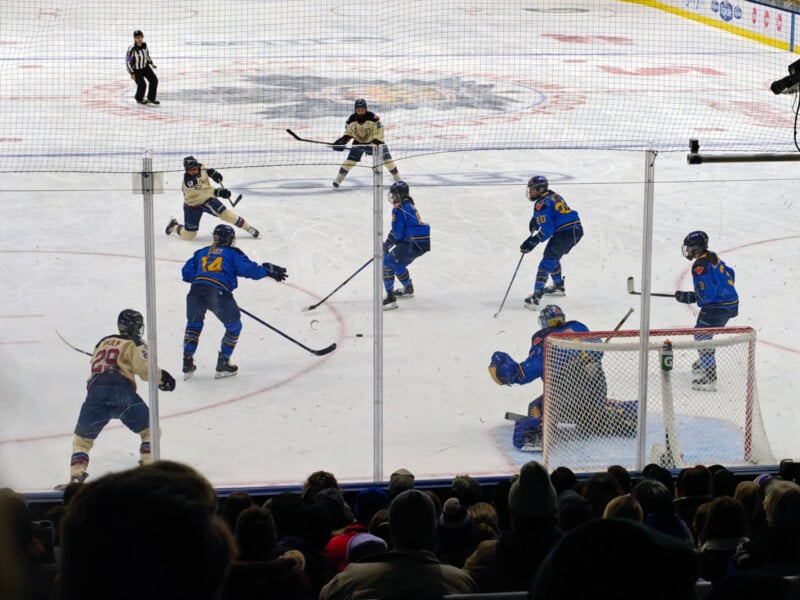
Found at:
<point>160,531</point>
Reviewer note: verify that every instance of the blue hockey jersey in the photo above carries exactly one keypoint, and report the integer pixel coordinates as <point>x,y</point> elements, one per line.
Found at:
<point>220,267</point>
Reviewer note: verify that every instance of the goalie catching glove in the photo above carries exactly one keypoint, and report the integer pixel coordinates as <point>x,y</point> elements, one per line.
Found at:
<point>504,369</point>
<point>167,383</point>
<point>276,272</point>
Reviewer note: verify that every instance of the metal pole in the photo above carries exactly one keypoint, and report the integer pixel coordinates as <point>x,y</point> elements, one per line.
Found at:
<point>377,313</point>
<point>150,289</point>
<point>644,305</point>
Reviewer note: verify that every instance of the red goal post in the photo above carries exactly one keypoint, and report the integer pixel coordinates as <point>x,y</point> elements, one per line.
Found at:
<point>594,416</point>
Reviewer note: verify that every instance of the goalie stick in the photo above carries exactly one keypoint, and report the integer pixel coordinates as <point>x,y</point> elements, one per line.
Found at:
<point>635,293</point>
<point>61,337</point>
<point>322,352</point>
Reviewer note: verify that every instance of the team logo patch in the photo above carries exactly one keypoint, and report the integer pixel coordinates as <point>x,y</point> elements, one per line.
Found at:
<point>699,270</point>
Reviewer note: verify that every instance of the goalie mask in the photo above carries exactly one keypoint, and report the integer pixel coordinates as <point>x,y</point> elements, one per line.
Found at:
<point>551,316</point>
<point>694,245</point>
<point>131,323</point>
<point>224,235</point>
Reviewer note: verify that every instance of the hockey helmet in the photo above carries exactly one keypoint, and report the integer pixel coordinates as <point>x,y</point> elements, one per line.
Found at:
<point>138,33</point>
<point>695,244</point>
<point>130,322</point>
<point>551,316</point>
<point>360,103</point>
<point>224,235</point>
<point>398,192</point>
<point>190,162</point>
<point>537,183</point>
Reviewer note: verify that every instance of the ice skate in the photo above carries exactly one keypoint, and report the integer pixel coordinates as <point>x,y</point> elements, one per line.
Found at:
<point>697,369</point>
<point>171,226</point>
<point>406,292</point>
<point>532,301</point>
<point>557,289</point>
<point>708,381</point>
<point>390,302</point>
<point>79,478</point>
<point>224,367</point>
<point>188,367</point>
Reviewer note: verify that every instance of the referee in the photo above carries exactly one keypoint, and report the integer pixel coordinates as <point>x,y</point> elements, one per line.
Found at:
<point>141,66</point>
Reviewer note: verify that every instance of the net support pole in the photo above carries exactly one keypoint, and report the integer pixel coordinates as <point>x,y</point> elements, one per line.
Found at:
<point>148,186</point>
<point>644,305</point>
<point>377,314</point>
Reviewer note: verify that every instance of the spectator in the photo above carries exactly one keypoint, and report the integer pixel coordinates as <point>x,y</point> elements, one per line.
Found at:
<point>583,564</point>
<point>563,479</point>
<point>509,562</point>
<point>622,475</point>
<point>341,515</point>
<point>313,533</point>
<point>367,503</point>
<point>259,572</point>
<point>624,507</point>
<point>600,490</point>
<point>233,506</point>
<point>284,509</point>
<point>693,487</point>
<point>573,509</point>
<point>410,570</point>
<point>315,483</point>
<point>659,511</point>
<point>723,481</point>
<point>699,523</point>
<point>163,513</point>
<point>379,527</point>
<point>486,522</point>
<point>457,533</point>
<point>364,545</point>
<point>659,473</point>
<point>400,481</point>
<point>725,529</point>
<point>500,503</point>
<point>750,495</point>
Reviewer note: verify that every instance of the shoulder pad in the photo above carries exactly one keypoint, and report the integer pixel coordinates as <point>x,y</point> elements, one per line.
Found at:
<point>372,116</point>
<point>540,204</point>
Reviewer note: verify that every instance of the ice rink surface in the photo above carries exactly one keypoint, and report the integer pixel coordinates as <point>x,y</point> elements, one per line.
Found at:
<point>72,257</point>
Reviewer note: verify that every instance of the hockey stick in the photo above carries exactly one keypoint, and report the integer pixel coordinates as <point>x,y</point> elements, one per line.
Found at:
<point>622,321</point>
<point>635,293</point>
<point>298,138</point>
<point>512,416</point>
<point>323,352</point>
<point>341,285</point>
<point>61,337</point>
<point>514,276</point>
<point>233,202</point>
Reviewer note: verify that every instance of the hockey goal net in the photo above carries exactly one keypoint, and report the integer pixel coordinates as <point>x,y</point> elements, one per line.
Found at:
<point>697,406</point>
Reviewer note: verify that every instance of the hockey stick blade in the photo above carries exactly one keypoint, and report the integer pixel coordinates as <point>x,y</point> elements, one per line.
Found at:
<point>635,293</point>
<point>235,202</point>
<point>61,337</point>
<point>300,139</point>
<point>322,352</point>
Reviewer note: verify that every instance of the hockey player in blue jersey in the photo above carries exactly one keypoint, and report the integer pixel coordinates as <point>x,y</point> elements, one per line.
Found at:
<point>555,221</point>
<point>409,239</point>
<point>581,370</point>
<point>716,296</point>
<point>213,273</point>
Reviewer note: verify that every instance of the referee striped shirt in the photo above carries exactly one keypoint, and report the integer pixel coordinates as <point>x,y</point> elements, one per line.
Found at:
<point>137,58</point>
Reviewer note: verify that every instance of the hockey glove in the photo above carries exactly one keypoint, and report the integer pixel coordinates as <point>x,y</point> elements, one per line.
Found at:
<point>504,369</point>
<point>686,297</point>
<point>529,244</point>
<point>167,383</point>
<point>276,272</point>
<point>340,144</point>
<point>222,193</point>
<point>217,177</point>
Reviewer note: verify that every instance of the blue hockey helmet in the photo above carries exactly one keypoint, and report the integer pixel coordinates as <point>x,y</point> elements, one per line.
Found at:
<point>537,183</point>
<point>551,316</point>
<point>695,244</point>
<point>360,103</point>
<point>190,162</point>
<point>398,192</point>
<point>224,235</point>
<point>130,322</point>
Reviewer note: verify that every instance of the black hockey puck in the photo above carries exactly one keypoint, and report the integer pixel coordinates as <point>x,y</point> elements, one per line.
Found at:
<point>359,335</point>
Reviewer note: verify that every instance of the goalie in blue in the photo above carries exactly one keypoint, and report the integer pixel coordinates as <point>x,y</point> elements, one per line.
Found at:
<point>580,379</point>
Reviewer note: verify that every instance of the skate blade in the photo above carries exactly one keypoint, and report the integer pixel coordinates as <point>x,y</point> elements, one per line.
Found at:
<point>188,376</point>
<point>401,295</point>
<point>391,306</point>
<point>224,374</point>
<point>530,306</point>
<point>704,387</point>
<point>555,293</point>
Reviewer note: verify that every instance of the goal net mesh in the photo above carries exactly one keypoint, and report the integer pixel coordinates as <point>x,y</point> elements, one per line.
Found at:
<point>699,408</point>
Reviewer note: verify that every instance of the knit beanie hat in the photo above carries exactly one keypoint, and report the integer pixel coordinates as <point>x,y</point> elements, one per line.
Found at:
<point>456,527</point>
<point>532,494</point>
<point>364,544</point>
<point>400,480</point>
<point>368,502</point>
